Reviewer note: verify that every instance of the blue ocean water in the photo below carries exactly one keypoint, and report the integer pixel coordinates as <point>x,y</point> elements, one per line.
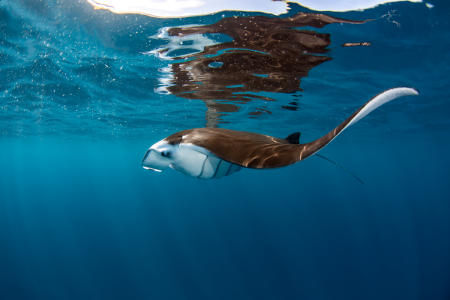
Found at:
<point>84,93</point>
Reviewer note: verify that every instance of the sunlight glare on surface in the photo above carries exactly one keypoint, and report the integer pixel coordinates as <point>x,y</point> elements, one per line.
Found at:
<point>187,8</point>
<point>344,5</point>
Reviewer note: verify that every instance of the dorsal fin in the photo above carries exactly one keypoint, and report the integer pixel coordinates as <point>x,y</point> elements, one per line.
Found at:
<point>293,138</point>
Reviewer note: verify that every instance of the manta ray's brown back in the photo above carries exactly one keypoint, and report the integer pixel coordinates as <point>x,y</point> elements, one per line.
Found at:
<point>245,149</point>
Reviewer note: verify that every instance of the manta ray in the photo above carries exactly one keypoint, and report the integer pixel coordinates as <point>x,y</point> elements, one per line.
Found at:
<point>215,152</point>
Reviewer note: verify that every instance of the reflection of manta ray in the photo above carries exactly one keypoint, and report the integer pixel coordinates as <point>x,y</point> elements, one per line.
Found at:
<point>215,152</point>
<point>266,54</point>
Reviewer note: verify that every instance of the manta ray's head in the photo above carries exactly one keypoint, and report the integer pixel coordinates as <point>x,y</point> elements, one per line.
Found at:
<point>188,158</point>
<point>159,156</point>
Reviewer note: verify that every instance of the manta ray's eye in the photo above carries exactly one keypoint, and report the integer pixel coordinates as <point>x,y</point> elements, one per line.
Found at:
<point>166,153</point>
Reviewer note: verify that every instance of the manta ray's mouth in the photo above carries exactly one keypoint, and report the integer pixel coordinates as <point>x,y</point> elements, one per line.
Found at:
<point>153,161</point>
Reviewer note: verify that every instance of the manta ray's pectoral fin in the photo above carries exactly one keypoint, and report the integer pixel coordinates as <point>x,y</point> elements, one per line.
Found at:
<point>293,138</point>
<point>385,97</point>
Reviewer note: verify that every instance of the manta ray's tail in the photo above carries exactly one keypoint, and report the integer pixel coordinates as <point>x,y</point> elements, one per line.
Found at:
<point>372,104</point>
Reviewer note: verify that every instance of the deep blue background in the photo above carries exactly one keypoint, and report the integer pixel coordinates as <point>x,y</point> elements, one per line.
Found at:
<point>80,219</point>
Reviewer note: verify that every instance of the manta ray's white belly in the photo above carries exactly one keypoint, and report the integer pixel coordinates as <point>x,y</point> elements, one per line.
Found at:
<point>198,162</point>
